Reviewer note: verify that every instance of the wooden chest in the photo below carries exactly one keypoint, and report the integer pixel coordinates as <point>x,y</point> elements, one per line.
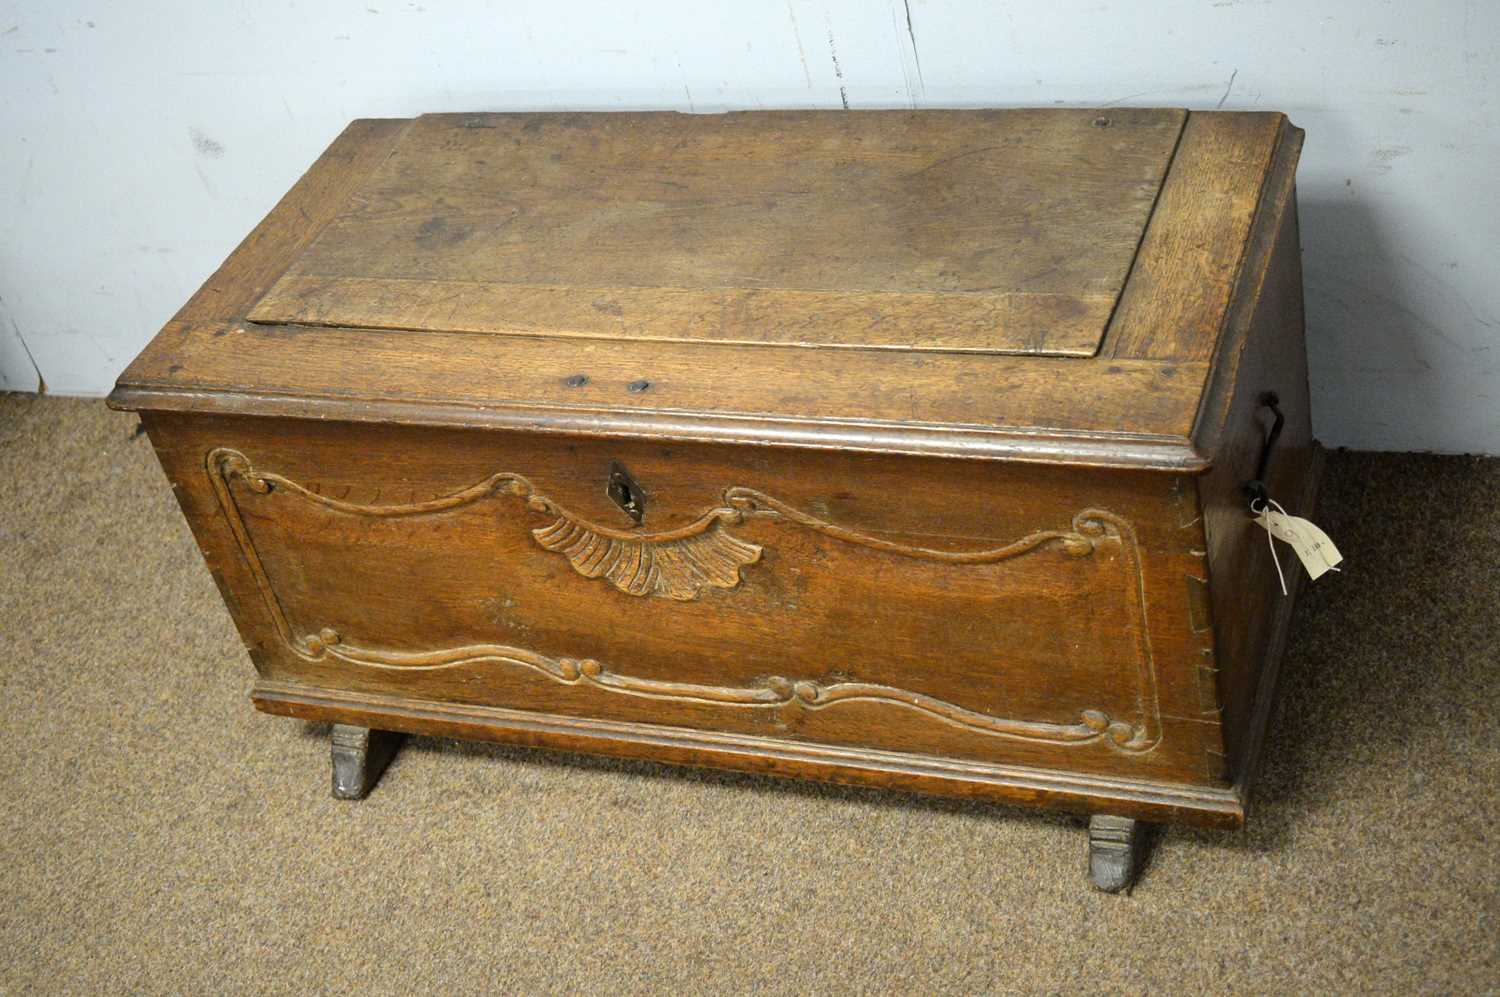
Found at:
<point>899,448</point>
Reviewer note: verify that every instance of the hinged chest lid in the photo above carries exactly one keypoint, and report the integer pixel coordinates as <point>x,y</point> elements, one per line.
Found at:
<point>1024,283</point>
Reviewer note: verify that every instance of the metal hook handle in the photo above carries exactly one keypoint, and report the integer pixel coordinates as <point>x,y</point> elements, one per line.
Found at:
<point>1255,489</point>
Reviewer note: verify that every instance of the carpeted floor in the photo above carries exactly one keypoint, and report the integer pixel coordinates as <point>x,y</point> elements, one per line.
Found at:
<point>160,836</point>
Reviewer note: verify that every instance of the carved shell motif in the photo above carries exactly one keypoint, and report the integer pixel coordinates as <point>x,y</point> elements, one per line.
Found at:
<point>679,567</point>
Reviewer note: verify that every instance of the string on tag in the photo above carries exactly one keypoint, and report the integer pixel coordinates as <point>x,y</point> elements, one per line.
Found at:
<point>1271,539</point>
<point>1314,548</point>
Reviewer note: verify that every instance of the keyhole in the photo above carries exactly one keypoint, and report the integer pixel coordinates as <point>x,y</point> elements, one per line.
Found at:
<point>623,496</point>
<point>625,493</point>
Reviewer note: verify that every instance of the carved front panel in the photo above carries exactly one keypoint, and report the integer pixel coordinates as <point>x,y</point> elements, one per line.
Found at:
<point>973,617</point>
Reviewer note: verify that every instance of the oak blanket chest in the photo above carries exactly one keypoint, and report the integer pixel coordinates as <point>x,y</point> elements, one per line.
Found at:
<point>899,448</point>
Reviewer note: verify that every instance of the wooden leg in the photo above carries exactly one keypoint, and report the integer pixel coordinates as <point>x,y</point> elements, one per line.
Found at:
<point>359,756</point>
<point>1114,852</point>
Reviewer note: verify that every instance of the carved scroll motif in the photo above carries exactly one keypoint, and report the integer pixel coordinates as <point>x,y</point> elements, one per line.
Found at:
<point>774,691</point>
<point>678,564</point>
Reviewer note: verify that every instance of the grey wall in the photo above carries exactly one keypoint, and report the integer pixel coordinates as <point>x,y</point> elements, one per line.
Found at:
<point>142,140</point>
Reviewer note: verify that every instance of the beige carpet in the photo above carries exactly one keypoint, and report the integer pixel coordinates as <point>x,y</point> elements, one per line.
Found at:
<point>160,836</point>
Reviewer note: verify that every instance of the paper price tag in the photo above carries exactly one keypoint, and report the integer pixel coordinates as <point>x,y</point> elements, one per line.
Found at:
<point>1314,548</point>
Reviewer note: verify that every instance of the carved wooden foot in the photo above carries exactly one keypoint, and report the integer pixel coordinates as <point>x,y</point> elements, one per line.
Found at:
<point>1114,852</point>
<point>359,756</point>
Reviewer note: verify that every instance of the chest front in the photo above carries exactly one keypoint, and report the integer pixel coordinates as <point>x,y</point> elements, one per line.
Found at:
<point>897,448</point>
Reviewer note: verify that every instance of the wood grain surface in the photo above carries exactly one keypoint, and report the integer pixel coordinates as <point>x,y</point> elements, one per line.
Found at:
<point>1179,290</point>
<point>934,231</point>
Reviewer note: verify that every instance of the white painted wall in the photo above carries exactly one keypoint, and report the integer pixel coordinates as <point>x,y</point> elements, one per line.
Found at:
<point>142,140</point>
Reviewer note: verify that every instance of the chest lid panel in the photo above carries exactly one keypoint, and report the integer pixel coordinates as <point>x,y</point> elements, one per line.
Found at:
<point>1009,232</point>
<point>1014,285</point>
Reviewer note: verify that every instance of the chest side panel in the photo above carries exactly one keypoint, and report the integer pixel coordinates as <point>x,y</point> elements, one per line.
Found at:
<point>996,613</point>
<point>1251,614</point>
